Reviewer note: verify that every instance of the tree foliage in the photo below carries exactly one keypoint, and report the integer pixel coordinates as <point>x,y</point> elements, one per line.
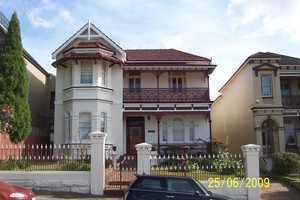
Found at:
<point>14,82</point>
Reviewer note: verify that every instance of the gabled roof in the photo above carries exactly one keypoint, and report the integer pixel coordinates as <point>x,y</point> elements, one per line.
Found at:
<point>161,55</point>
<point>88,27</point>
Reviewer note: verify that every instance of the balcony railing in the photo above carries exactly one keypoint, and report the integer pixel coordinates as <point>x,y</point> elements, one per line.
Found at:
<point>165,95</point>
<point>291,101</point>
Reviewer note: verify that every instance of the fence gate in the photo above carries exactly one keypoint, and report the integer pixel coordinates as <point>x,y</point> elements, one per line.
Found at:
<point>120,171</point>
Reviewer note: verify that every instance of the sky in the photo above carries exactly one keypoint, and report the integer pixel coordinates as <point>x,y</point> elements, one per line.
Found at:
<point>226,31</point>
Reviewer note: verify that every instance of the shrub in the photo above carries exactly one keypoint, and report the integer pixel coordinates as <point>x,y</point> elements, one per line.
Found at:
<point>76,166</point>
<point>285,163</point>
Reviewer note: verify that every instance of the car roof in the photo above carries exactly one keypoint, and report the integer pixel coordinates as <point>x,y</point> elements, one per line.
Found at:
<point>163,176</point>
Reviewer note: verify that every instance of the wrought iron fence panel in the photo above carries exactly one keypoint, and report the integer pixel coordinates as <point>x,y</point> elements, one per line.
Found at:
<point>120,171</point>
<point>48,157</point>
<point>201,167</point>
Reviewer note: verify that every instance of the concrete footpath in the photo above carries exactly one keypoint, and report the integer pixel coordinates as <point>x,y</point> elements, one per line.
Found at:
<point>279,191</point>
<point>44,195</point>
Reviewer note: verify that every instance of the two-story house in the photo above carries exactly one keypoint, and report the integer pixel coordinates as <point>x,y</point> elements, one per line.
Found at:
<point>259,104</point>
<point>158,96</point>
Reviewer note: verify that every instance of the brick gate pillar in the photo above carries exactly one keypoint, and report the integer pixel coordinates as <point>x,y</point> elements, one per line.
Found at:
<point>97,162</point>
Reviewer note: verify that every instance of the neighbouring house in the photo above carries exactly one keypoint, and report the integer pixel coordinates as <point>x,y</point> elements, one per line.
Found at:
<point>41,96</point>
<point>260,104</point>
<point>158,96</point>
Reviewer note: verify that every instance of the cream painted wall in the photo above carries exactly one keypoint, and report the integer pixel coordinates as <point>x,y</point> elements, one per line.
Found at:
<point>59,121</point>
<point>40,87</point>
<point>231,114</point>
<point>115,135</point>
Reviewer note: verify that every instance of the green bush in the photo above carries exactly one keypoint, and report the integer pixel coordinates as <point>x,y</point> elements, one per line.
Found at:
<point>12,164</point>
<point>76,166</point>
<point>285,163</point>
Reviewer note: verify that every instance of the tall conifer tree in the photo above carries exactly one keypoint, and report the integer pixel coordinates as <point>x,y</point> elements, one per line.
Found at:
<point>14,82</point>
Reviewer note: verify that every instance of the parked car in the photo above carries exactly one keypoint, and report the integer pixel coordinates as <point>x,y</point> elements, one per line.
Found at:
<point>14,192</point>
<point>162,187</point>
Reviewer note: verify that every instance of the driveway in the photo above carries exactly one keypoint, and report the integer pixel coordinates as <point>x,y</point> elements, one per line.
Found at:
<point>279,191</point>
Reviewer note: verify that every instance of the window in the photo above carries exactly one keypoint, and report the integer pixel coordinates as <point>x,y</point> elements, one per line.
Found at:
<point>192,131</point>
<point>285,88</point>
<point>178,130</point>
<point>266,85</point>
<point>177,80</point>
<point>103,75</point>
<point>298,87</point>
<point>135,83</point>
<point>103,122</point>
<point>70,76</point>
<point>86,76</point>
<point>165,131</point>
<point>289,130</point>
<point>181,185</point>
<point>85,125</point>
<point>52,100</point>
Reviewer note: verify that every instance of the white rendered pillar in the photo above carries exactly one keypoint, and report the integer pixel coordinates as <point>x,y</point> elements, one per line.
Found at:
<point>251,155</point>
<point>143,158</point>
<point>97,162</point>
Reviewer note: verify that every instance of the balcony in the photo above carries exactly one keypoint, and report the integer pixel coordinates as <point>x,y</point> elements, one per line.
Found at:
<point>291,101</point>
<point>165,95</point>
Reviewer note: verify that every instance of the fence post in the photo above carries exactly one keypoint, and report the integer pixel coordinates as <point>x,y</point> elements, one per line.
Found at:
<point>97,162</point>
<point>251,155</point>
<point>143,158</point>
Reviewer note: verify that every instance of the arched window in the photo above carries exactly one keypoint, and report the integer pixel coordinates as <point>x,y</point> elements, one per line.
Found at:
<point>192,131</point>
<point>85,125</point>
<point>165,131</point>
<point>178,130</point>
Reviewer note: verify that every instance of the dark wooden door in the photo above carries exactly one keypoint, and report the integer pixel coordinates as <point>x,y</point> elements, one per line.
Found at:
<point>135,133</point>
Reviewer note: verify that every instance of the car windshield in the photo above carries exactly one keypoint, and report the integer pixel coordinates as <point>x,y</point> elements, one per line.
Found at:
<point>202,187</point>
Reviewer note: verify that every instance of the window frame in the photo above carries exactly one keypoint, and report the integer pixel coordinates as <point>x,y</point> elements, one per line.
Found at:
<point>84,124</point>
<point>265,87</point>
<point>178,132</point>
<point>86,71</point>
<point>103,122</point>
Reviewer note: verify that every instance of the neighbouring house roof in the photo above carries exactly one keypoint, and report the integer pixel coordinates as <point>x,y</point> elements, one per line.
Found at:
<point>282,60</point>
<point>25,53</point>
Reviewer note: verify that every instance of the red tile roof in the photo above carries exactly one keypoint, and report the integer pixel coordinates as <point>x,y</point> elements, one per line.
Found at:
<point>161,55</point>
<point>98,55</point>
<point>90,45</point>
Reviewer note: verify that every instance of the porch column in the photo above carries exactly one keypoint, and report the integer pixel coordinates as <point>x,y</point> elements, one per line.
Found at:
<point>251,154</point>
<point>158,136</point>
<point>97,162</point>
<point>143,158</point>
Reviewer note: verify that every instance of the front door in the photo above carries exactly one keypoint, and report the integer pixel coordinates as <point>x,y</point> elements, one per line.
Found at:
<point>135,133</point>
<point>270,138</point>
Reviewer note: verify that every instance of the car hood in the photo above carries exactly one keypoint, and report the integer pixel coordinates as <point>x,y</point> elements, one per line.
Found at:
<point>14,188</point>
